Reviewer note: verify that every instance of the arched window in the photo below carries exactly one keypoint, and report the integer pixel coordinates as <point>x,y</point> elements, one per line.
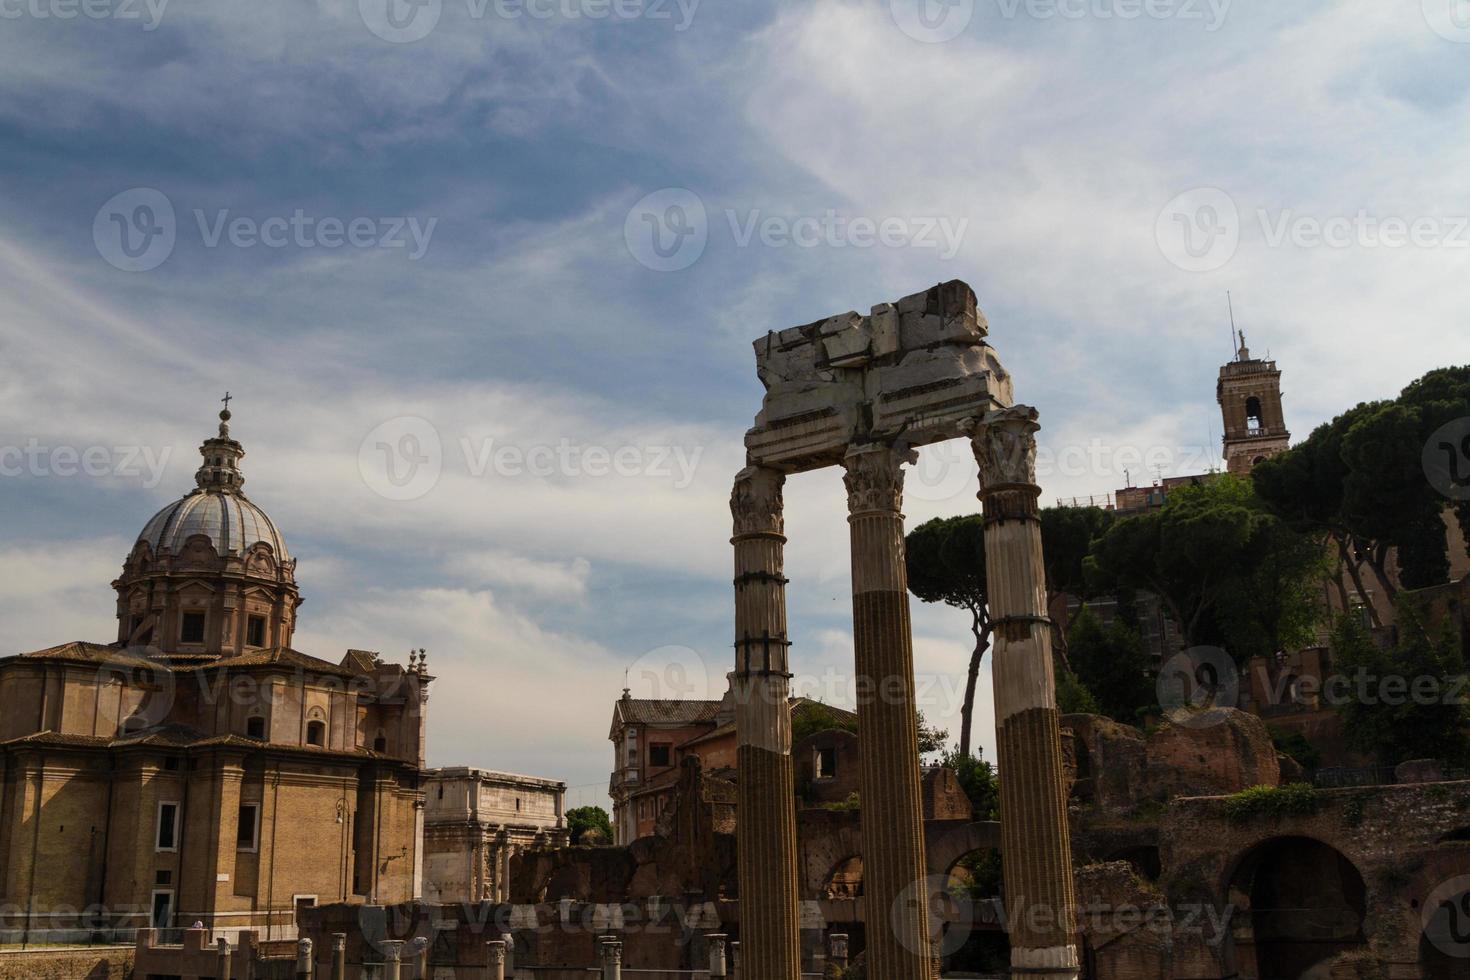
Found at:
<point>1253,413</point>
<point>380,744</point>
<point>316,733</point>
<point>255,727</point>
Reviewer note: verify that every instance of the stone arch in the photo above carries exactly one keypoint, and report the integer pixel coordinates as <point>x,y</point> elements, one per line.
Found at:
<point>845,880</point>
<point>1300,902</point>
<point>945,846</point>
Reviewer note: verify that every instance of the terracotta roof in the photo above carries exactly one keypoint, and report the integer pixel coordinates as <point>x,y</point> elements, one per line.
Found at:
<point>668,712</point>
<point>58,738</point>
<point>360,661</point>
<point>284,657</point>
<point>80,651</point>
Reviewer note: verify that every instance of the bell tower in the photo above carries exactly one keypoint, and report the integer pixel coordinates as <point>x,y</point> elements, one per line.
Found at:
<point>1249,393</point>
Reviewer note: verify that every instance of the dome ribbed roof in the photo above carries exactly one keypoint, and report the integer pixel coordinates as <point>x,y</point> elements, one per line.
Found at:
<point>219,508</point>
<point>228,519</point>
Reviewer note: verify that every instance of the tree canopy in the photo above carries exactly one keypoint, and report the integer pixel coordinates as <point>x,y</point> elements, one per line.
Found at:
<point>589,825</point>
<point>1230,572</point>
<point>1361,480</point>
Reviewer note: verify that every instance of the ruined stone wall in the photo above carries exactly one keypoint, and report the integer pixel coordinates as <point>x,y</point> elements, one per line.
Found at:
<point>99,964</point>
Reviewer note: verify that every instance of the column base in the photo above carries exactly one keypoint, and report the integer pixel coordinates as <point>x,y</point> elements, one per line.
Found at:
<point>1056,962</point>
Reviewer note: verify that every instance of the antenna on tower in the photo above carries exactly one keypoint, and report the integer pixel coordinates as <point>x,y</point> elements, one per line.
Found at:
<point>1230,303</point>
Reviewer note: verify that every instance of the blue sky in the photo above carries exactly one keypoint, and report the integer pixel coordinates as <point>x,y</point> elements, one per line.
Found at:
<point>1106,170</point>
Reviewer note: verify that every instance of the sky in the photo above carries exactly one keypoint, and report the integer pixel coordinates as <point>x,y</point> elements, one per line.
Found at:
<point>482,278</point>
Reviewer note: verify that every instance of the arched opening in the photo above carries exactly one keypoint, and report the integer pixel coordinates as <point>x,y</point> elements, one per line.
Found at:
<point>316,733</point>
<point>255,727</point>
<point>1253,414</point>
<point>380,744</point>
<point>846,880</point>
<point>1301,903</point>
<point>1144,858</point>
<point>974,939</point>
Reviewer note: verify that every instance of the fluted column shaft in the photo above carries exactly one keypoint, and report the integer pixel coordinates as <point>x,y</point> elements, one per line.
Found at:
<point>894,887</point>
<point>1039,893</point>
<point>770,921</point>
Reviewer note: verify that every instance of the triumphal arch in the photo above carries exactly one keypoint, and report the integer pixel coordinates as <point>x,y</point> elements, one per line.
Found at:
<point>863,393</point>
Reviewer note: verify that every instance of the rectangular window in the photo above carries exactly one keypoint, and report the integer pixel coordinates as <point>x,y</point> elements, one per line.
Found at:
<point>247,831</point>
<point>191,629</point>
<point>168,827</point>
<point>658,756</point>
<point>826,763</point>
<point>255,631</point>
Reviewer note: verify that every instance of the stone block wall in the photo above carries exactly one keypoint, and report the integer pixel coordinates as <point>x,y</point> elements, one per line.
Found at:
<point>108,963</point>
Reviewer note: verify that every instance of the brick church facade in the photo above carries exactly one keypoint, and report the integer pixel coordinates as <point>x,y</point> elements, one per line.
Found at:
<point>198,768</point>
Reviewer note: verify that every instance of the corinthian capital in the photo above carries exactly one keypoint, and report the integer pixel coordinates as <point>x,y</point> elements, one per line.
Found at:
<point>1005,448</point>
<point>756,503</point>
<point>874,477</point>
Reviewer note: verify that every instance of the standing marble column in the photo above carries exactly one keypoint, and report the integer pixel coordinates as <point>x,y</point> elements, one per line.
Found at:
<point>1040,904</point>
<point>894,874</point>
<point>766,820</point>
<point>495,960</point>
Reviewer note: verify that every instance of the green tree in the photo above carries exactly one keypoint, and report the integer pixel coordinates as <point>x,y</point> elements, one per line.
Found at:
<point>946,563</point>
<point>979,781</point>
<point>594,819</point>
<point>931,739</point>
<point>1360,479</point>
<point>810,717</point>
<point>1112,667</point>
<point>1405,700</point>
<point>1067,536</point>
<point>1228,571</point>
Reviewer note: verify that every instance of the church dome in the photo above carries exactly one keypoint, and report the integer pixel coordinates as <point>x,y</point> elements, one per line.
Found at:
<point>227,518</point>
<point>217,508</point>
